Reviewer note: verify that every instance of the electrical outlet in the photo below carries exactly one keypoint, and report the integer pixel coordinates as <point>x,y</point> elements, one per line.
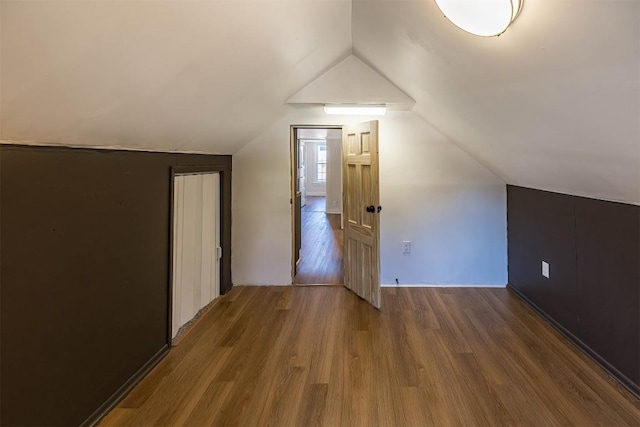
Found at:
<point>406,247</point>
<point>334,203</point>
<point>545,269</point>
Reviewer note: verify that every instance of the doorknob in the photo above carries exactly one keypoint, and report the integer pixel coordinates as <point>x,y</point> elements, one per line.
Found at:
<point>371,209</point>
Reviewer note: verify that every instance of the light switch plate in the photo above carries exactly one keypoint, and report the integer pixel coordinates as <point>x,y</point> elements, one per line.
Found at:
<point>545,269</point>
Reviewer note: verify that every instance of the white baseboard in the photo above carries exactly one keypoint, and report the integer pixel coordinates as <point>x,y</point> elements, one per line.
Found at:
<point>402,285</point>
<point>262,284</point>
<point>438,285</point>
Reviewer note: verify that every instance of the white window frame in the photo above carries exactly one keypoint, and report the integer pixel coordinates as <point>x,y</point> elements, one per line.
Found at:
<point>316,163</point>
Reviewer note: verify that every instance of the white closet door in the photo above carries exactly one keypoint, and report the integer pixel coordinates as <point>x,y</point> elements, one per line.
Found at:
<point>195,242</point>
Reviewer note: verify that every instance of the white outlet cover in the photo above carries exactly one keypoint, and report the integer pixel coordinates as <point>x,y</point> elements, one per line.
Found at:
<point>406,246</point>
<point>545,269</point>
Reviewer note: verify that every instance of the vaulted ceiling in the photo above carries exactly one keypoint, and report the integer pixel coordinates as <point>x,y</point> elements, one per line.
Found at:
<point>553,103</point>
<point>167,75</point>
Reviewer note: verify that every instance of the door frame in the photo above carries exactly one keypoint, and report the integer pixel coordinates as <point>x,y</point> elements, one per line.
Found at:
<point>293,175</point>
<point>225,264</point>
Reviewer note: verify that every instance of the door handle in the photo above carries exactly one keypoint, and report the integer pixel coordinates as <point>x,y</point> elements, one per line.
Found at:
<point>371,209</point>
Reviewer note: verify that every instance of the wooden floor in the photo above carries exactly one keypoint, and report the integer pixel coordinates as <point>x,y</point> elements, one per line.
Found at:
<point>302,356</point>
<point>321,253</point>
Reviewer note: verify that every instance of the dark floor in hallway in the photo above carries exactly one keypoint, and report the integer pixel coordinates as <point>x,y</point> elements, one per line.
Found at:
<point>321,253</point>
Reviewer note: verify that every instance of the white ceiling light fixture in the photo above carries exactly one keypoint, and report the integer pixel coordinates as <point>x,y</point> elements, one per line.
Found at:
<point>481,17</point>
<point>355,109</point>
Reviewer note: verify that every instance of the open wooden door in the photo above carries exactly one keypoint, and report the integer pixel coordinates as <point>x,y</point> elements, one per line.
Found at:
<point>361,201</point>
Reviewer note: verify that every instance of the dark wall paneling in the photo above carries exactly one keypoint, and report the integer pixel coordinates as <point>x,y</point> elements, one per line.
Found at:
<point>593,293</point>
<point>541,227</point>
<point>608,243</point>
<point>84,281</point>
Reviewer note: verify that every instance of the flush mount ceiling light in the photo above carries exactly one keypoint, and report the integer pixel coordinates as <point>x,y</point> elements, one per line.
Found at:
<point>355,109</point>
<point>481,17</point>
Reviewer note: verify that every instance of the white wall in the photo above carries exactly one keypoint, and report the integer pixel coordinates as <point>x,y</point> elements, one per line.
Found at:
<point>451,207</point>
<point>334,175</point>
<point>313,188</point>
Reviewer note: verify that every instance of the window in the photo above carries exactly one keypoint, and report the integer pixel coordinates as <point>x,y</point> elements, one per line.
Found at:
<point>321,163</point>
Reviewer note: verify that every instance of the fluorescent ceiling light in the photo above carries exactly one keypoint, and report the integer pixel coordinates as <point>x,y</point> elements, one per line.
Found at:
<point>481,17</point>
<point>355,109</point>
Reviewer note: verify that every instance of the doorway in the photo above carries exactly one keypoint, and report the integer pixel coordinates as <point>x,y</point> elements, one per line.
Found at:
<point>196,249</point>
<point>316,158</point>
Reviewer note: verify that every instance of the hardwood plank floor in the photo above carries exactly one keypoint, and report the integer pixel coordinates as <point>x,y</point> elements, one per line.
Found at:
<point>321,252</point>
<point>302,356</point>
<point>315,204</point>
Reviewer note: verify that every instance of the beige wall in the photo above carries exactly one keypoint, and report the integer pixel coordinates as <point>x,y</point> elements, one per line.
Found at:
<point>334,175</point>
<point>313,188</point>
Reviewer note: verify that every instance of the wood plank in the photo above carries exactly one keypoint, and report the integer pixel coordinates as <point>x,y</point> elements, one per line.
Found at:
<point>314,402</point>
<point>321,253</point>
<point>322,356</point>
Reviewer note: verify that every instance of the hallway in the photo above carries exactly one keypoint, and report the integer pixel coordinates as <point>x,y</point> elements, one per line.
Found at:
<point>321,253</point>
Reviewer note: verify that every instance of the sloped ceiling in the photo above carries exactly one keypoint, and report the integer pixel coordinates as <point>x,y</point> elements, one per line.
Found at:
<point>184,75</point>
<point>553,103</point>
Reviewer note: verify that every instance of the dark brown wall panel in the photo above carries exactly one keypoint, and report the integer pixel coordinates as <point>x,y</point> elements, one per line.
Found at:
<point>593,247</point>
<point>541,227</point>
<point>608,258</point>
<point>84,274</point>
